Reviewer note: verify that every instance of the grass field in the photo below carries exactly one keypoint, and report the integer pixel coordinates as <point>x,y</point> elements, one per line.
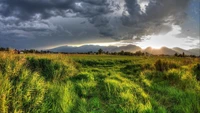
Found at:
<point>55,83</point>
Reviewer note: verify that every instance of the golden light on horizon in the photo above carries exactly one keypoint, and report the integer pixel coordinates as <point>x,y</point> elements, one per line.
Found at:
<point>169,40</point>
<point>156,47</point>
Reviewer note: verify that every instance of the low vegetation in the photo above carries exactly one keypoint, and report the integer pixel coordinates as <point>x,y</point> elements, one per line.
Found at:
<point>56,83</point>
<point>165,65</point>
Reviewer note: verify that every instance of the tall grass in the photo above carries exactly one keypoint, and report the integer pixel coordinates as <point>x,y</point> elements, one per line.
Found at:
<point>26,82</point>
<point>57,83</point>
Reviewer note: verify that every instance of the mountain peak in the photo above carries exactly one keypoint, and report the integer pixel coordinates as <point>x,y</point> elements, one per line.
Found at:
<point>127,48</point>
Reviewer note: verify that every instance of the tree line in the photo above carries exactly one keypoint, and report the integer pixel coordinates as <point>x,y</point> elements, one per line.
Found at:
<point>99,52</point>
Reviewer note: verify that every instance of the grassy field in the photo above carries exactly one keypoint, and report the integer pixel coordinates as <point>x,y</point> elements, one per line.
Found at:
<point>55,83</point>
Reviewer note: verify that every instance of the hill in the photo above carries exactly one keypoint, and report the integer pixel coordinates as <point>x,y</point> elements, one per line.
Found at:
<point>180,51</point>
<point>95,48</point>
<point>163,50</point>
<point>195,51</point>
<point>128,48</point>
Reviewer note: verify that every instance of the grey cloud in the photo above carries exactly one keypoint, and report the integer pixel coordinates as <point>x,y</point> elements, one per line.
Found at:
<point>101,22</point>
<point>32,18</point>
<point>28,29</point>
<point>158,13</point>
<point>26,10</point>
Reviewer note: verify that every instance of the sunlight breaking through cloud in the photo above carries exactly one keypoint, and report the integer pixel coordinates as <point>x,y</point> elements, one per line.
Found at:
<point>169,40</point>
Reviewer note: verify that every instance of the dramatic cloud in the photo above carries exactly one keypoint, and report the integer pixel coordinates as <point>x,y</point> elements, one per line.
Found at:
<point>26,10</point>
<point>74,21</point>
<point>157,14</point>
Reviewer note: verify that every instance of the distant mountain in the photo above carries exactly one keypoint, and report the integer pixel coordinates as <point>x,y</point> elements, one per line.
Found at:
<point>195,51</point>
<point>187,52</point>
<point>85,48</point>
<point>163,50</point>
<point>180,51</point>
<point>128,48</point>
<point>95,48</point>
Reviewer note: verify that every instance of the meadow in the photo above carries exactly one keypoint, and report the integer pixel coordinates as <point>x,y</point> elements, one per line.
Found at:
<point>57,83</point>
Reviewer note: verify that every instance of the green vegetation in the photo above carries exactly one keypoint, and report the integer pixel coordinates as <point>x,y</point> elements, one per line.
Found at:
<point>56,83</point>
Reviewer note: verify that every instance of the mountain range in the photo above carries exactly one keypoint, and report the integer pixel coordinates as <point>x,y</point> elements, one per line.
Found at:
<point>128,48</point>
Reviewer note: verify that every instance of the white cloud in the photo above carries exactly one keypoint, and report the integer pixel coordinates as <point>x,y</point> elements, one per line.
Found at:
<point>143,4</point>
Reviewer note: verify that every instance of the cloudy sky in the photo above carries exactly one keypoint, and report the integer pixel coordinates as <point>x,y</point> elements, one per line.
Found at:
<point>43,24</point>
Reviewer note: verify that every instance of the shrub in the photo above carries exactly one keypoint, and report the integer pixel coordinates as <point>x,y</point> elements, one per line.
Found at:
<point>173,76</point>
<point>164,65</point>
<point>148,67</point>
<point>197,71</point>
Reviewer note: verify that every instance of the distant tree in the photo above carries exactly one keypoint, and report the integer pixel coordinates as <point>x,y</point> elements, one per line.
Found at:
<point>114,53</point>
<point>100,51</point>
<point>193,56</point>
<point>147,54</point>
<point>180,55</point>
<point>122,52</point>
<point>183,54</point>
<point>2,49</point>
<point>7,49</point>
<point>32,51</point>
<point>176,54</point>
<point>107,52</point>
<point>139,53</point>
<point>143,54</point>
<point>90,52</point>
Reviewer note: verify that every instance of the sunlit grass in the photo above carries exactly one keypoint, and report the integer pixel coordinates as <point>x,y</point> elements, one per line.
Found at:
<point>56,83</point>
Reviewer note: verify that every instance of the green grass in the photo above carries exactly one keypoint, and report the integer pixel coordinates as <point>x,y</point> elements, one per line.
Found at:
<point>55,83</point>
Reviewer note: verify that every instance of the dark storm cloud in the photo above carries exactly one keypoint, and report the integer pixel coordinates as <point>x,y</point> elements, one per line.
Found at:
<point>103,24</point>
<point>158,12</point>
<point>156,15</point>
<point>26,10</point>
<point>32,19</point>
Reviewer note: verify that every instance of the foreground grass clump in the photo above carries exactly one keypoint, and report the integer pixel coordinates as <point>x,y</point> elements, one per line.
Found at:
<point>162,66</point>
<point>21,90</point>
<point>25,88</point>
<point>98,84</point>
<point>50,69</point>
<point>136,68</point>
<point>197,71</point>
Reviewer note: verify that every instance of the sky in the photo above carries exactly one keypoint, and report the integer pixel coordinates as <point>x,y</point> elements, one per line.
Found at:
<point>44,24</point>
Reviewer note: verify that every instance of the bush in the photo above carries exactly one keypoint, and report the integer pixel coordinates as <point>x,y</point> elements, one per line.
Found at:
<point>148,67</point>
<point>164,65</point>
<point>197,71</point>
